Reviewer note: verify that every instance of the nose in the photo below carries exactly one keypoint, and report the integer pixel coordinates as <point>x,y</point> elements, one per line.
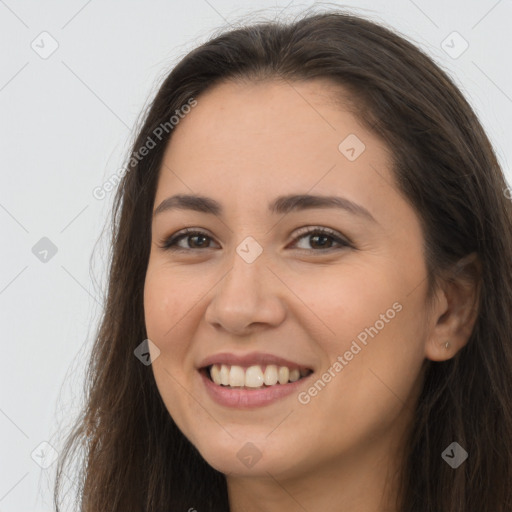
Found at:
<point>247,298</point>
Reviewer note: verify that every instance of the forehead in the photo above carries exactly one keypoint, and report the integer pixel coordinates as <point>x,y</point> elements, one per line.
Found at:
<point>270,115</point>
<point>246,142</point>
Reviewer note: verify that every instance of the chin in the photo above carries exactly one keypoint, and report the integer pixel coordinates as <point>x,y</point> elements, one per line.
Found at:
<point>248,456</point>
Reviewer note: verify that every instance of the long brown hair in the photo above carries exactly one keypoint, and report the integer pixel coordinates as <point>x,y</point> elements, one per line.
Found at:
<point>135,457</point>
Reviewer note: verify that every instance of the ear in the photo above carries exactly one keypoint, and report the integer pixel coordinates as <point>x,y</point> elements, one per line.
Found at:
<point>455,310</point>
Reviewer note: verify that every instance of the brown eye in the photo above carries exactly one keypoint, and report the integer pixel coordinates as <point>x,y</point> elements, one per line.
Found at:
<point>320,240</point>
<point>323,239</point>
<point>193,240</point>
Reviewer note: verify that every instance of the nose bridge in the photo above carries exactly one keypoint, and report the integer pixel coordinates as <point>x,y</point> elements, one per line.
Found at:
<point>246,294</point>
<point>246,275</point>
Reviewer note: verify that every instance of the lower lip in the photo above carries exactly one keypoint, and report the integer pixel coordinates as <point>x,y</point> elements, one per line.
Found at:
<point>248,398</point>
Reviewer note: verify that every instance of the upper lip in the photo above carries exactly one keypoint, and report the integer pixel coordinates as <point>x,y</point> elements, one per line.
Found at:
<point>253,358</point>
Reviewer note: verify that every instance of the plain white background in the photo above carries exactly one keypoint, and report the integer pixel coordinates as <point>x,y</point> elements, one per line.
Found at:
<point>74,77</point>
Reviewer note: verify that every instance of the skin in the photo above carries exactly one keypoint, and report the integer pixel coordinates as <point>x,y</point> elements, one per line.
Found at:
<point>243,145</point>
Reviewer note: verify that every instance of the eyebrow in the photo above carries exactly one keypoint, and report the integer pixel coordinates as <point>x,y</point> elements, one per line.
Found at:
<point>280,205</point>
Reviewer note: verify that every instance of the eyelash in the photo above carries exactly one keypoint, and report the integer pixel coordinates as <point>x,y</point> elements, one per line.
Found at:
<point>169,244</point>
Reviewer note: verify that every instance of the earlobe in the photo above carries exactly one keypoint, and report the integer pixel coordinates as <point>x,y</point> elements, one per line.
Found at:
<point>455,316</point>
<point>440,352</point>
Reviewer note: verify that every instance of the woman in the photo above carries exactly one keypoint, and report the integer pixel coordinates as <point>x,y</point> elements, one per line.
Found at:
<point>310,292</point>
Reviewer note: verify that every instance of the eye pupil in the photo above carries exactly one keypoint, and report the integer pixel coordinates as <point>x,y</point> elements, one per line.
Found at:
<point>316,237</point>
<point>203,237</point>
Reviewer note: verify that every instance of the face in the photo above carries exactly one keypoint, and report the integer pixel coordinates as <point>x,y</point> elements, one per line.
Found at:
<point>336,289</point>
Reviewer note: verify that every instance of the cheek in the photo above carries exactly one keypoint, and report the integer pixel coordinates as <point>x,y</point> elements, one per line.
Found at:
<point>374,324</point>
<point>348,299</point>
<point>167,314</point>
<point>168,299</point>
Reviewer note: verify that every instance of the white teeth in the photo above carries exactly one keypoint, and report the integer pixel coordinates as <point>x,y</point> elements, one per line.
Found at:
<point>270,376</point>
<point>254,377</point>
<point>215,374</point>
<point>224,375</point>
<point>236,376</point>
<point>294,375</point>
<point>283,375</point>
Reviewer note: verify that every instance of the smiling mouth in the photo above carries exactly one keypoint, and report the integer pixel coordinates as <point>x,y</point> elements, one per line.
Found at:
<point>253,377</point>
